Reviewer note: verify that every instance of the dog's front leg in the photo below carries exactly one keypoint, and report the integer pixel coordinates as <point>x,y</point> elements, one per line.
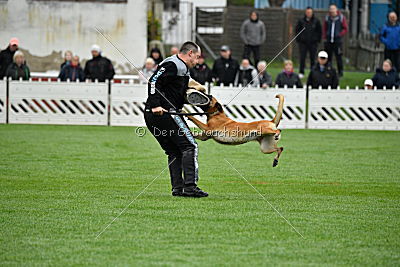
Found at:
<point>198,123</point>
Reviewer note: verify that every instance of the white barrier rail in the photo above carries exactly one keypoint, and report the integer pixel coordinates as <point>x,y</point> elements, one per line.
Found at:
<point>3,101</point>
<point>354,109</point>
<point>58,103</point>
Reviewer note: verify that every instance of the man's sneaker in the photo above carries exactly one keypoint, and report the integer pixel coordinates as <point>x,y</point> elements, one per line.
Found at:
<point>194,192</point>
<point>177,192</point>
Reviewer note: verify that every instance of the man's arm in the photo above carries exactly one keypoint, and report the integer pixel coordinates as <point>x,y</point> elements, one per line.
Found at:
<point>263,33</point>
<point>243,32</point>
<point>344,27</point>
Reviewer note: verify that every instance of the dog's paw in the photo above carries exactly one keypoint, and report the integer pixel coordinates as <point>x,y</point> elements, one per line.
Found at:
<point>275,163</point>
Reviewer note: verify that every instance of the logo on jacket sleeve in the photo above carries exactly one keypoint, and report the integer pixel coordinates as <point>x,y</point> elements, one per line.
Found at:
<point>154,80</point>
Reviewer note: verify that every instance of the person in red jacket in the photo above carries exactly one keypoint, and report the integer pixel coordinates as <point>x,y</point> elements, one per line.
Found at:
<point>335,28</point>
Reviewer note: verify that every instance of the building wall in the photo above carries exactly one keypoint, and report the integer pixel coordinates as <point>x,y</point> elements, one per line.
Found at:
<point>48,28</point>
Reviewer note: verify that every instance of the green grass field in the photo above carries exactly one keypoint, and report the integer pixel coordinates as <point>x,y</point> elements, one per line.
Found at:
<point>61,186</point>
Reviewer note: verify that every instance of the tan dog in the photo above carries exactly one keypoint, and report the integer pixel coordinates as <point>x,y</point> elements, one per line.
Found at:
<point>226,131</point>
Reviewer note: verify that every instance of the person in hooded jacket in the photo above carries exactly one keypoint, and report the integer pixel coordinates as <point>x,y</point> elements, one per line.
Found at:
<point>6,56</point>
<point>18,69</point>
<point>253,35</point>
<point>99,68</point>
<point>201,72</point>
<point>225,68</point>
<point>310,31</point>
<point>155,54</point>
<point>386,76</point>
<point>72,71</point>
<point>390,37</point>
<point>287,77</point>
<point>247,74</point>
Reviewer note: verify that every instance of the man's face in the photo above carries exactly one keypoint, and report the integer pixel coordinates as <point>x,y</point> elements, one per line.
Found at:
<point>225,53</point>
<point>393,17</point>
<point>261,67</point>
<point>95,53</point>
<point>322,60</point>
<point>174,50</point>
<point>245,63</point>
<point>193,58</point>
<point>309,13</point>
<point>75,61</point>
<point>201,60</point>
<point>333,10</point>
<point>386,67</point>
<point>288,66</point>
<point>13,47</point>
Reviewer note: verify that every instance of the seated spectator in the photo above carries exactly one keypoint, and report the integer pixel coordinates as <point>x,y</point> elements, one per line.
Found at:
<point>18,69</point>
<point>72,71</point>
<point>386,76</point>
<point>6,56</point>
<point>155,54</point>
<point>67,59</point>
<point>247,74</point>
<point>147,70</point>
<point>99,68</point>
<point>368,84</point>
<point>287,77</point>
<point>174,51</point>
<point>201,72</point>
<point>264,78</point>
<point>323,74</point>
<point>225,68</point>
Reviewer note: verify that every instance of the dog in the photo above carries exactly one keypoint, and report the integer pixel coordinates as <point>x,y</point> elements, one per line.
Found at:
<point>229,132</point>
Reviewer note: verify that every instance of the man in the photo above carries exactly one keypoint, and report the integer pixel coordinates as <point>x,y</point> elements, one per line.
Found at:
<point>167,90</point>
<point>6,56</point>
<point>247,74</point>
<point>322,74</point>
<point>99,68</point>
<point>201,72</point>
<point>390,37</point>
<point>253,35</point>
<point>335,28</point>
<point>72,71</point>
<point>265,78</point>
<point>308,40</point>
<point>225,68</point>
<point>174,51</point>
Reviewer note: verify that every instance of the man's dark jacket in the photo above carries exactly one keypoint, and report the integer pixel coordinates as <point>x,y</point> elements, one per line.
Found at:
<point>99,68</point>
<point>6,58</point>
<point>325,78</point>
<point>224,70</point>
<point>312,32</point>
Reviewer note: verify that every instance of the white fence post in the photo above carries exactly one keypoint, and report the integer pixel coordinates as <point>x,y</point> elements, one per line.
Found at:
<point>3,101</point>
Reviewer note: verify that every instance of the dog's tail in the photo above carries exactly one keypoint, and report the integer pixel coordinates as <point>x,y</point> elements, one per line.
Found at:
<point>279,112</point>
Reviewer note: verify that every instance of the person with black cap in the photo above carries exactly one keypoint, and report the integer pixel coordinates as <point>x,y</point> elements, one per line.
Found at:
<point>253,35</point>
<point>323,74</point>
<point>225,68</point>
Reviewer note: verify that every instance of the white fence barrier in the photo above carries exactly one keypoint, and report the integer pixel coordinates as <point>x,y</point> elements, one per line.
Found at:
<point>58,103</point>
<point>3,101</point>
<point>354,109</point>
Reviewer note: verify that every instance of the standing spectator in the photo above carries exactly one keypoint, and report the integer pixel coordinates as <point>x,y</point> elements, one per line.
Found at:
<point>323,74</point>
<point>225,68</point>
<point>99,67</point>
<point>67,59</point>
<point>264,77</point>
<point>253,35</point>
<point>174,51</point>
<point>287,77</point>
<point>247,74</point>
<point>201,72</point>
<point>72,71</point>
<point>386,76</point>
<point>390,37</point>
<point>147,70</point>
<point>18,69</point>
<point>335,28</point>
<point>6,56</point>
<point>155,54</point>
<point>308,40</point>
<point>368,84</point>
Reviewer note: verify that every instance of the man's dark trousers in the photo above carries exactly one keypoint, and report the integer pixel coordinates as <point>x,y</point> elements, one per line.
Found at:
<point>305,48</point>
<point>394,56</point>
<point>255,49</point>
<point>335,48</point>
<point>175,138</point>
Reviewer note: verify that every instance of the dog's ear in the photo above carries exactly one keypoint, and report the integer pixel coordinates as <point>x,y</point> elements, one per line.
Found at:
<point>219,107</point>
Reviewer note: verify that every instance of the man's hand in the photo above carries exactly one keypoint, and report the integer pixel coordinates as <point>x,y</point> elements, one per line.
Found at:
<point>158,111</point>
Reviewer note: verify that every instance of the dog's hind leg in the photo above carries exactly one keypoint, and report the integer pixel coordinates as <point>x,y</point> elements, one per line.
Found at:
<point>268,146</point>
<point>201,136</point>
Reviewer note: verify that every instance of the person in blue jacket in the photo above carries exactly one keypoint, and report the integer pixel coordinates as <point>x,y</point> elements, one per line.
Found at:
<point>386,76</point>
<point>390,37</point>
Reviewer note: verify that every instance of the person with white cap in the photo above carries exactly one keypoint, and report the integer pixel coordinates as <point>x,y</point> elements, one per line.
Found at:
<point>7,55</point>
<point>323,74</point>
<point>98,68</point>
<point>368,84</point>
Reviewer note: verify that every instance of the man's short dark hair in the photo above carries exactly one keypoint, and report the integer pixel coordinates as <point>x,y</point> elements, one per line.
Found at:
<point>309,8</point>
<point>187,46</point>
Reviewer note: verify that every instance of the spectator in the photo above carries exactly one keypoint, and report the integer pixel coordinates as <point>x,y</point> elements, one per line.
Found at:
<point>6,56</point>
<point>147,70</point>
<point>390,36</point>
<point>335,28</point>
<point>368,84</point>
<point>225,68</point>
<point>201,72</point>
<point>174,51</point>
<point>386,76</point>
<point>67,59</point>
<point>323,74</point>
<point>72,71</point>
<point>155,54</point>
<point>18,69</point>
<point>264,78</point>
<point>308,40</point>
<point>253,35</point>
<point>287,77</point>
<point>247,74</point>
<point>99,68</point>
